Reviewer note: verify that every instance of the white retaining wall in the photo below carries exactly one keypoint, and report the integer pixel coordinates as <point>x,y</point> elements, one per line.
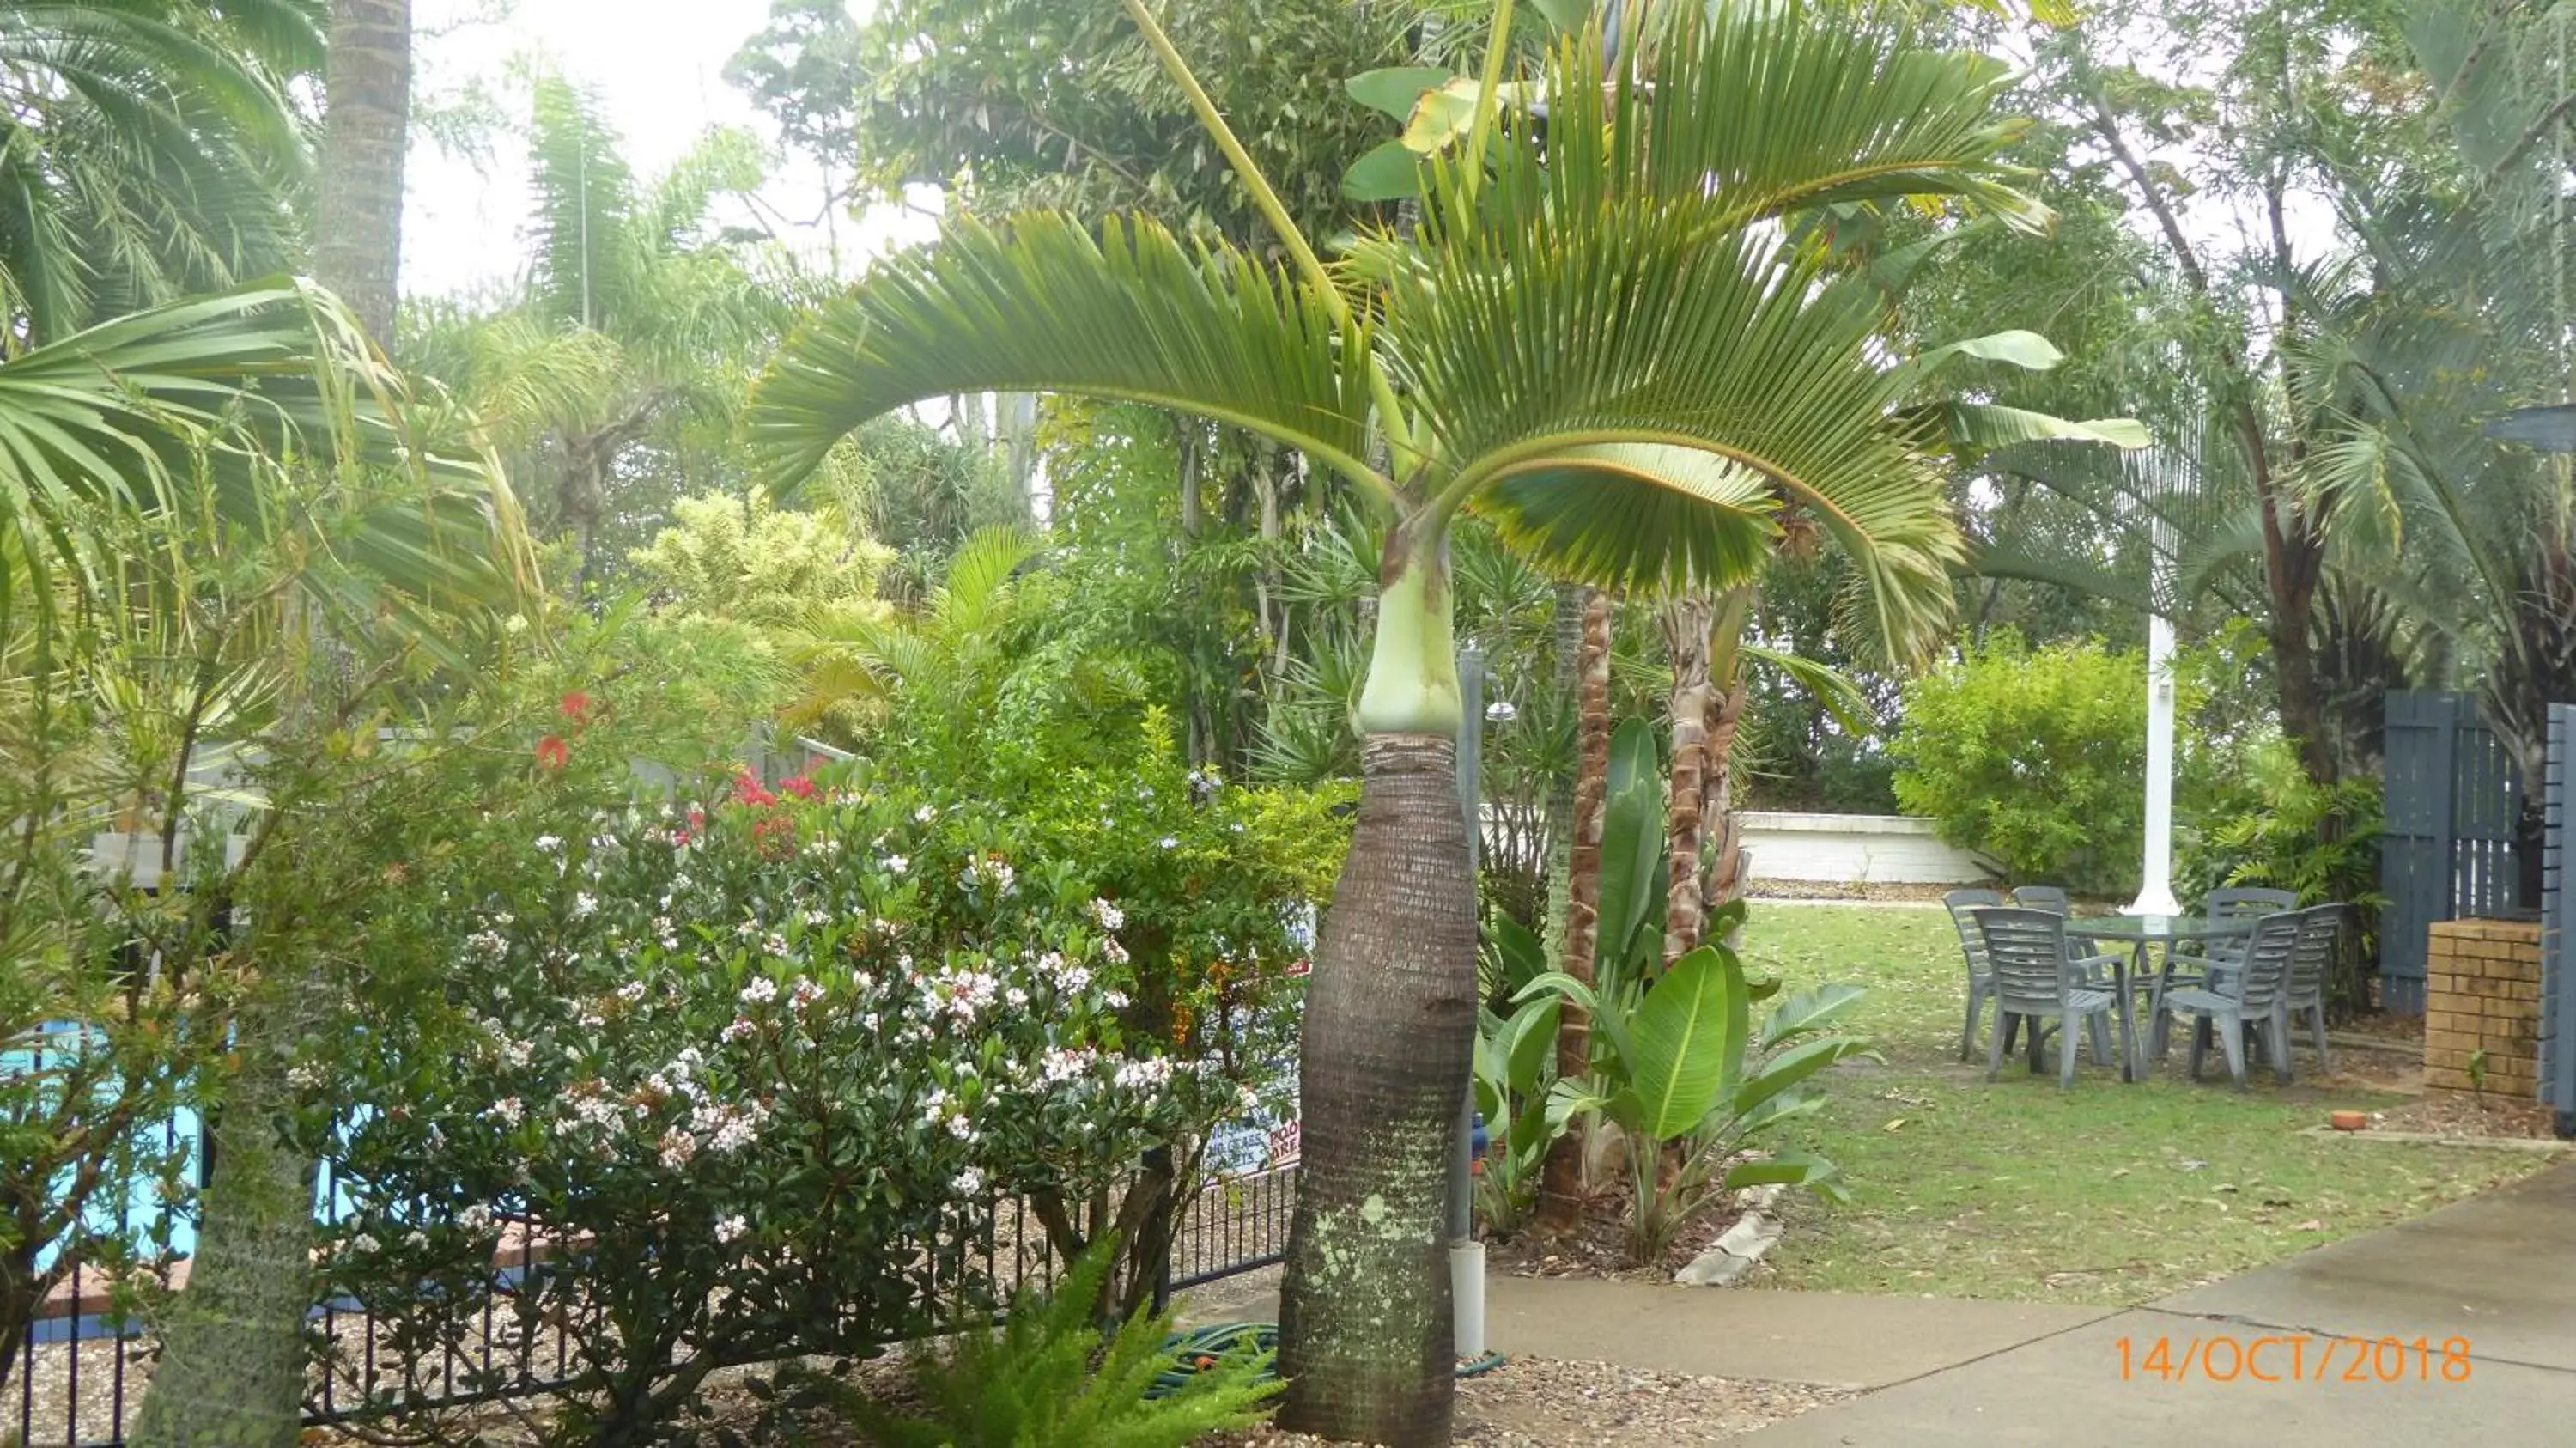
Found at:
<point>1856,850</point>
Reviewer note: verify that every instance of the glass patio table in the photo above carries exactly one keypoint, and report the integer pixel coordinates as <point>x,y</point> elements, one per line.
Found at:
<point>2138,932</point>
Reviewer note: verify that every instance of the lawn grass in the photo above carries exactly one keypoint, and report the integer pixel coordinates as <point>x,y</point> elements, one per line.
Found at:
<point>2108,1193</point>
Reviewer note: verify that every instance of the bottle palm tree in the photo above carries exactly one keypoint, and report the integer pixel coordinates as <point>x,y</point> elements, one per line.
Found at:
<point>1596,338</point>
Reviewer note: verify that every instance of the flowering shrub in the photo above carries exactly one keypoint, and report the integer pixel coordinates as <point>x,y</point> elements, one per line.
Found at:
<point>775,1057</point>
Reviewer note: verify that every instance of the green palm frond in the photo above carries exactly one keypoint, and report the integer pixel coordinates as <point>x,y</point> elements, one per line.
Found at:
<point>148,148</point>
<point>1766,109</point>
<point>1044,306</point>
<point>208,406</point>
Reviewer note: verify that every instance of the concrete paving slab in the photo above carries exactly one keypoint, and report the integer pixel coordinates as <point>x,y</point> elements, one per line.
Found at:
<point>1802,1337</point>
<point>2070,1391</point>
<point>1794,1337</point>
<point>2498,1269</point>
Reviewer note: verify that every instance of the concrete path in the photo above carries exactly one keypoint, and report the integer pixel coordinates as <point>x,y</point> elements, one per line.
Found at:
<point>2497,1273</point>
<point>2336,1327</point>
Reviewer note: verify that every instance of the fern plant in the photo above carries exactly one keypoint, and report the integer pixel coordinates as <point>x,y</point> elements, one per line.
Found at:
<point>1046,1378</point>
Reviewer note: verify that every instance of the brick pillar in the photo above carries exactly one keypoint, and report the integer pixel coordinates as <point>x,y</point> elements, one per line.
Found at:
<point>2482,994</point>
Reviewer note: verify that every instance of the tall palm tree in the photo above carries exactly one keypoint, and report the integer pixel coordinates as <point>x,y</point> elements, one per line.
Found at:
<point>366,126</point>
<point>1595,339</point>
<point>148,149</point>
<point>257,444</point>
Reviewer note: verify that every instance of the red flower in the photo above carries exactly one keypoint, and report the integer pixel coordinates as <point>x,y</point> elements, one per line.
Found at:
<point>747,789</point>
<point>578,706</point>
<point>802,786</point>
<point>553,753</point>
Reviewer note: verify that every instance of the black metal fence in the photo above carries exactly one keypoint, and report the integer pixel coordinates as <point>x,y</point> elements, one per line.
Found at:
<point>80,1376</point>
<point>2452,800</point>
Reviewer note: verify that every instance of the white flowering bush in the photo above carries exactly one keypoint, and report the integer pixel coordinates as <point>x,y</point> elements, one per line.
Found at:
<point>753,1075</point>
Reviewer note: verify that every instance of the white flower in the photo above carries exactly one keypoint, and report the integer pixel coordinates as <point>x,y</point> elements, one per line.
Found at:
<point>631,992</point>
<point>303,1077</point>
<point>1109,915</point>
<point>416,1240</point>
<point>676,1148</point>
<point>960,1128</point>
<point>474,1218</point>
<point>364,1245</point>
<point>774,943</point>
<point>583,905</point>
<point>1135,1075</point>
<point>1116,1000</point>
<point>1116,952</point>
<point>1016,996</point>
<point>762,988</point>
<point>731,1228</point>
<point>969,1182</point>
<point>805,994</point>
<point>488,943</point>
<point>1168,842</point>
<point>549,843</point>
<point>926,814</point>
<point>507,1111</point>
<point>741,1027</point>
<point>895,864</point>
<point>818,918</point>
<point>515,1054</point>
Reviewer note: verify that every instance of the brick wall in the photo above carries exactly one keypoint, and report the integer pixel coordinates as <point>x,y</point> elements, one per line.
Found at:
<point>2482,993</point>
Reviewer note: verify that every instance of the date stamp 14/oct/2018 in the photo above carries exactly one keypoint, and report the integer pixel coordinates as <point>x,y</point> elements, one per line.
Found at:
<point>2294,1358</point>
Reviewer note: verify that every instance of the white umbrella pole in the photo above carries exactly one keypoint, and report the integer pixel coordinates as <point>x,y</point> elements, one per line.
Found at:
<point>2155,895</point>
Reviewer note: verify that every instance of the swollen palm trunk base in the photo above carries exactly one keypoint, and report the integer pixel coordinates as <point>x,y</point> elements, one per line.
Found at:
<point>1365,1329</point>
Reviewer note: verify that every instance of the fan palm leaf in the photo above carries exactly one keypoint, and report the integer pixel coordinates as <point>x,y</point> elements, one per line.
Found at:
<point>206,406</point>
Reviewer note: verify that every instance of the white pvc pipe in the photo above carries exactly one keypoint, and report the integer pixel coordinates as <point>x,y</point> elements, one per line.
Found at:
<point>1467,1296</point>
<point>2155,892</point>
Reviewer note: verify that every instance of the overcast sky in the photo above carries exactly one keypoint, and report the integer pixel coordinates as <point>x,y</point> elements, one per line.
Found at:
<point>657,67</point>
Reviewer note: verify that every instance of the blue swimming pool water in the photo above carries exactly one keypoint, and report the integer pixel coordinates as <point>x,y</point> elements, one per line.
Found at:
<point>138,1215</point>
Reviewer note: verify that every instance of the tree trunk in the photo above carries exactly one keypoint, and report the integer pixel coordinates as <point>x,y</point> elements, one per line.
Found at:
<point>1733,689</point>
<point>366,121</point>
<point>1568,626</point>
<point>1560,1190</point>
<point>1686,625</point>
<point>1019,413</point>
<point>232,1364</point>
<point>1365,1330</point>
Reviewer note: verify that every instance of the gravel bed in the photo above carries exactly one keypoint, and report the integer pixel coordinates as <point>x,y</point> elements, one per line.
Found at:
<point>1552,1403</point>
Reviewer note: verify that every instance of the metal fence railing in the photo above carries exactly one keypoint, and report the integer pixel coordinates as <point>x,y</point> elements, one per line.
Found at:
<point>80,1375</point>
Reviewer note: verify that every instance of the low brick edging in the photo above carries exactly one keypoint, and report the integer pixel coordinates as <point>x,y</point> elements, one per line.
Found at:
<point>2482,994</point>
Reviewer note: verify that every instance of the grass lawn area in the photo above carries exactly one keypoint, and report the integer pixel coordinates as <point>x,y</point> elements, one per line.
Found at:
<point>2102,1194</point>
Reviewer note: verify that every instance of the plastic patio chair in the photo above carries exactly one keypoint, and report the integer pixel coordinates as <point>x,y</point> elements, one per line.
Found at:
<point>2050,898</point>
<point>2222,954</point>
<point>1981,977</point>
<point>2036,979</point>
<point>2319,936</point>
<point>2252,995</point>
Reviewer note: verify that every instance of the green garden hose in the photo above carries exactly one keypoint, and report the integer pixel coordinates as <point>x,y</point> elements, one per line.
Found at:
<point>1200,1349</point>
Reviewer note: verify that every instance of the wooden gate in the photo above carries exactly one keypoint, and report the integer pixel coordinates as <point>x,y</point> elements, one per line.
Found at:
<point>2452,797</point>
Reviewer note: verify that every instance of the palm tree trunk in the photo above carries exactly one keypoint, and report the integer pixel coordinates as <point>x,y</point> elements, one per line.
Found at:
<point>366,121</point>
<point>1560,1190</point>
<point>1686,625</point>
<point>1725,878</point>
<point>1365,1330</point>
<point>232,1364</point>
